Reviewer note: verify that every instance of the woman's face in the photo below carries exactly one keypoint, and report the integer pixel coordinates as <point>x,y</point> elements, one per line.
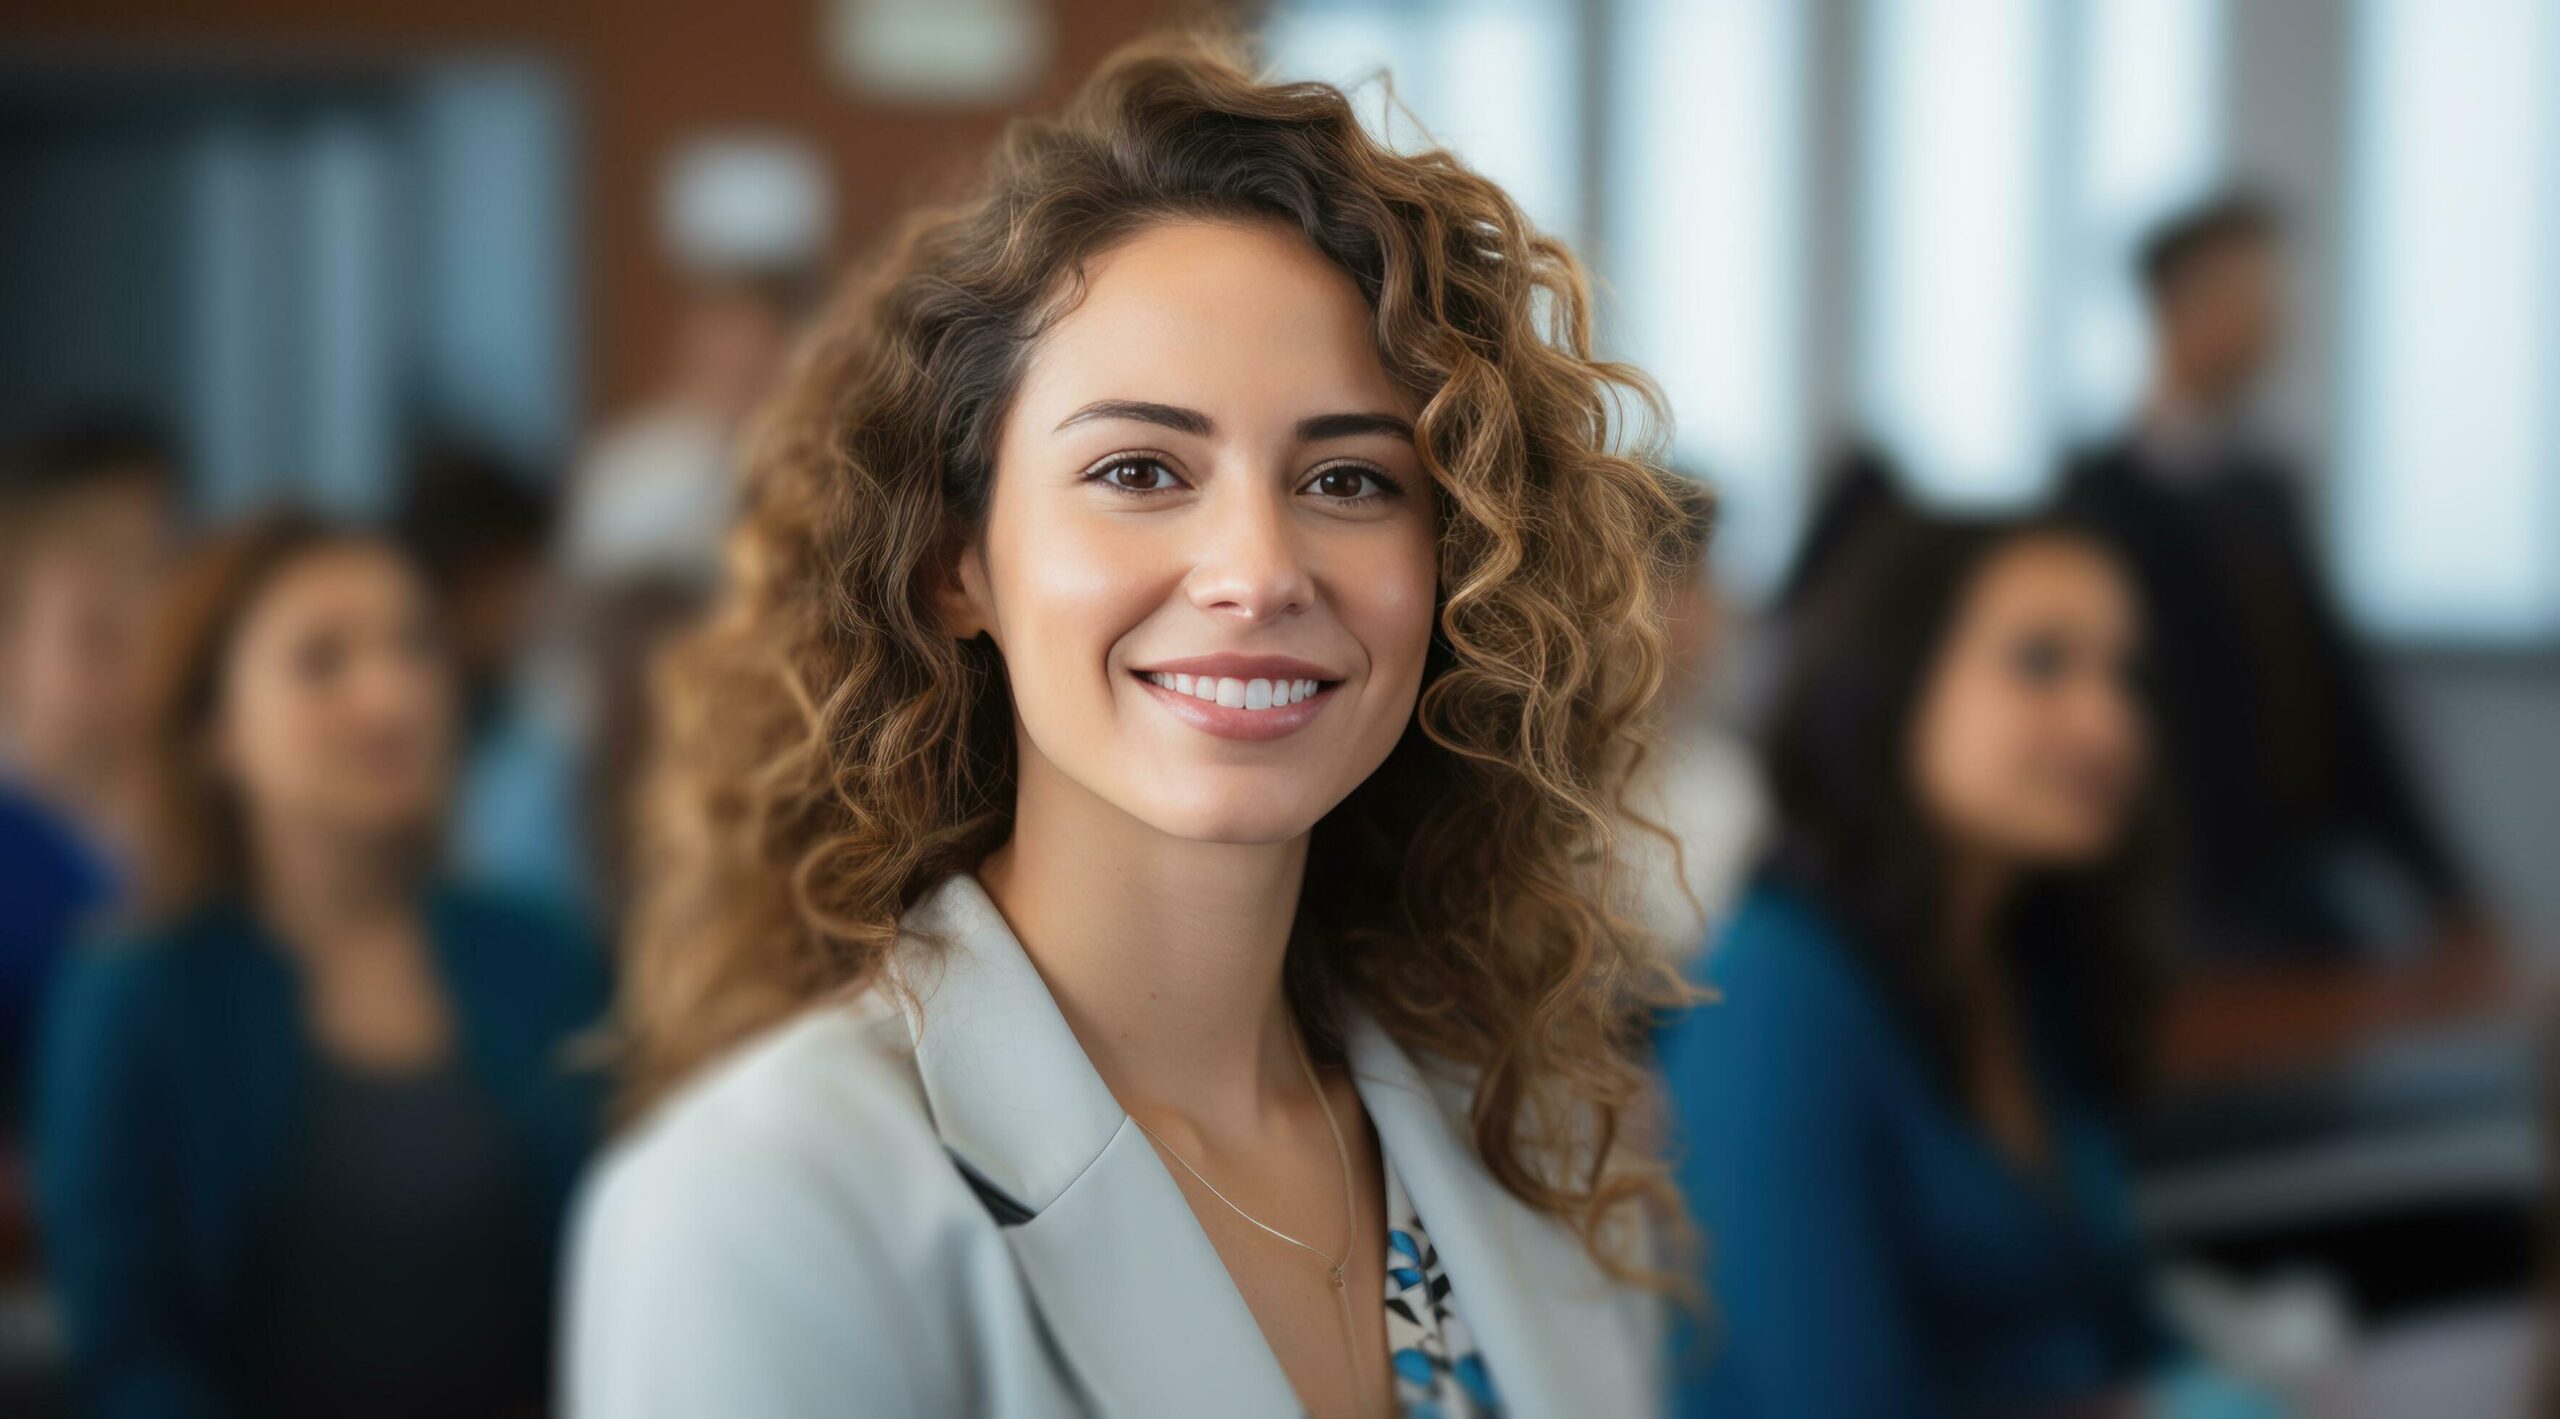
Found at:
<point>1209,554</point>
<point>336,702</point>
<point>2029,743</point>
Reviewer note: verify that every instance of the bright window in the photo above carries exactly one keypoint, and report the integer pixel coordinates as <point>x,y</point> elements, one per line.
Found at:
<point>2450,520</point>
<point>1706,234</point>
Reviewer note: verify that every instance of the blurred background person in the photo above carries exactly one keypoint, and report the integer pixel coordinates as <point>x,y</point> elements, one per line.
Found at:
<point>305,1134</point>
<point>296,240</point>
<point>2303,830</point>
<point>1700,787</point>
<point>481,531</point>
<point>1900,1126</point>
<point>546,805</point>
<point>744,221</point>
<point>84,515</point>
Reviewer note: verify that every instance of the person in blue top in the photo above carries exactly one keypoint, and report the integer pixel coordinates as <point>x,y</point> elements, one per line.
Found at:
<point>1897,1120</point>
<point>85,514</point>
<point>304,1133</point>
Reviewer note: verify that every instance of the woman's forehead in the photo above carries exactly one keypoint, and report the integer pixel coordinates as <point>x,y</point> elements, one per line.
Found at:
<point>1216,316</point>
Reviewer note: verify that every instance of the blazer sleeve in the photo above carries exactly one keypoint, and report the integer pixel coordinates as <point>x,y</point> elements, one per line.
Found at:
<point>107,1195</point>
<point>1808,1314</point>
<point>709,1275</point>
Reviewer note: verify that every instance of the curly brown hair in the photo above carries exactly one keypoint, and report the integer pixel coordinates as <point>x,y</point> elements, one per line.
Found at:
<point>830,751</point>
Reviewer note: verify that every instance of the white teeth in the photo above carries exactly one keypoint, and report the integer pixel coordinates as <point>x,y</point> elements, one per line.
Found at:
<point>1237,694</point>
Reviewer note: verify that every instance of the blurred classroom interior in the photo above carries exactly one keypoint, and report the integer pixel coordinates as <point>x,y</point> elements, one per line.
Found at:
<point>491,289</point>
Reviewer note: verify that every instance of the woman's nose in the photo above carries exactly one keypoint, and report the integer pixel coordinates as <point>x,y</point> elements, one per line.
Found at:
<point>1248,563</point>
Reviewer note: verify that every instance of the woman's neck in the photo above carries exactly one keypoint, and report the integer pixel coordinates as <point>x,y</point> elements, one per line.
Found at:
<point>1164,954</point>
<point>1978,887</point>
<point>324,891</point>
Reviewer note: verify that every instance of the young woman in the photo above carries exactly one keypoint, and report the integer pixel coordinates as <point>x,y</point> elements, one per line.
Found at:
<point>1132,835</point>
<point>305,1137</point>
<point>1897,1123</point>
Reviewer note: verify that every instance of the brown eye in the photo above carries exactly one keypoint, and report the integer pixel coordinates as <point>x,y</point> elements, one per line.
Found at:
<point>1139,475</point>
<point>1351,483</point>
<point>2040,659</point>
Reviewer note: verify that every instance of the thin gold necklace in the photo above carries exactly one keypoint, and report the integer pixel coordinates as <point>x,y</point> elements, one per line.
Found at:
<point>1350,1207</point>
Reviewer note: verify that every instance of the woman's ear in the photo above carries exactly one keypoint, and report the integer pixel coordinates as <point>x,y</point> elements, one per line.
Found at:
<point>960,595</point>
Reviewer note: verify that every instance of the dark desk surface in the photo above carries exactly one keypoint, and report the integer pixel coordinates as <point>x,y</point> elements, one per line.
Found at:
<point>2235,1025</point>
<point>2381,1125</point>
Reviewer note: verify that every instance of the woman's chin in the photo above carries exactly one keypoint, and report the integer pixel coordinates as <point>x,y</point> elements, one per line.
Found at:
<point>1235,820</point>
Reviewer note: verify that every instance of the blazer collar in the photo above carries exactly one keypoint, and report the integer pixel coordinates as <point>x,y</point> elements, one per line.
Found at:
<point>1141,1307</point>
<point>1012,1093</point>
<point>1558,1336</point>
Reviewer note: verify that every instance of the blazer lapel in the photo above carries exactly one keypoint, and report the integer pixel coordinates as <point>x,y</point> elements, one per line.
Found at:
<point>1140,1309</point>
<point>1558,1336</point>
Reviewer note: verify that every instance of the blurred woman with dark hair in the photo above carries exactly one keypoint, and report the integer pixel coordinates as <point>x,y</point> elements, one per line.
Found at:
<point>305,1135</point>
<point>1935,997</point>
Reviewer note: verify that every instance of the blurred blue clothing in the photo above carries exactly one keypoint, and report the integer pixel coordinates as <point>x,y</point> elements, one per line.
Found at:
<point>1869,1252</point>
<point>173,1069</point>
<point>52,884</point>
<point>520,819</point>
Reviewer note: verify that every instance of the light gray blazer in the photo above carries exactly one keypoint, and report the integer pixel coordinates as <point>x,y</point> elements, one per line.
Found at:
<point>865,1212</point>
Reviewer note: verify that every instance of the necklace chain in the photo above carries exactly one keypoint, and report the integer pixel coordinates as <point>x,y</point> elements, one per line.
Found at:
<point>1341,1151</point>
<point>1350,1203</point>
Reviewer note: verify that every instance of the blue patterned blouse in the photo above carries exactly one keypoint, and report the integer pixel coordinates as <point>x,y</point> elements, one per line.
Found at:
<point>1439,1372</point>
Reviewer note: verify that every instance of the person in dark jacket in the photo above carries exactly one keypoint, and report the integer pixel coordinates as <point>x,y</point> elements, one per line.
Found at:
<point>305,1132</point>
<point>2305,834</point>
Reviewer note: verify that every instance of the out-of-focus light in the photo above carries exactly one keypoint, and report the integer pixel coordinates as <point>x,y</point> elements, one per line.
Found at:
<point>945,52</point>
<point>2150,113</point>
<point>2452,517</point>
<point>1956,145</point>
<point>1705,235</point>
<point>746,200</point>
<point>1494,81</point>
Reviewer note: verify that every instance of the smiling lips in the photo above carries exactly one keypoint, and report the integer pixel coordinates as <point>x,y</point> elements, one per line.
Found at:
<point>1241,699</point>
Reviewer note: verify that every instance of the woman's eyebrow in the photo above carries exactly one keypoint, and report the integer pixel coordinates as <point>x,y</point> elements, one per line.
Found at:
<point>1312,429</point>
<point>1171,416</point>
<point>1343,426</point>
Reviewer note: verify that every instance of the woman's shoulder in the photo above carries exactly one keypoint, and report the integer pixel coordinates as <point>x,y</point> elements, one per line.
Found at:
<point>1785,984</point>
<point>823,1100</point>
<point>1781,940</point>
<point>131,968</point>
<point>520,954</point>
<point>137,1005</point>
<point>514,919</point>
<point>762,1240</point>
